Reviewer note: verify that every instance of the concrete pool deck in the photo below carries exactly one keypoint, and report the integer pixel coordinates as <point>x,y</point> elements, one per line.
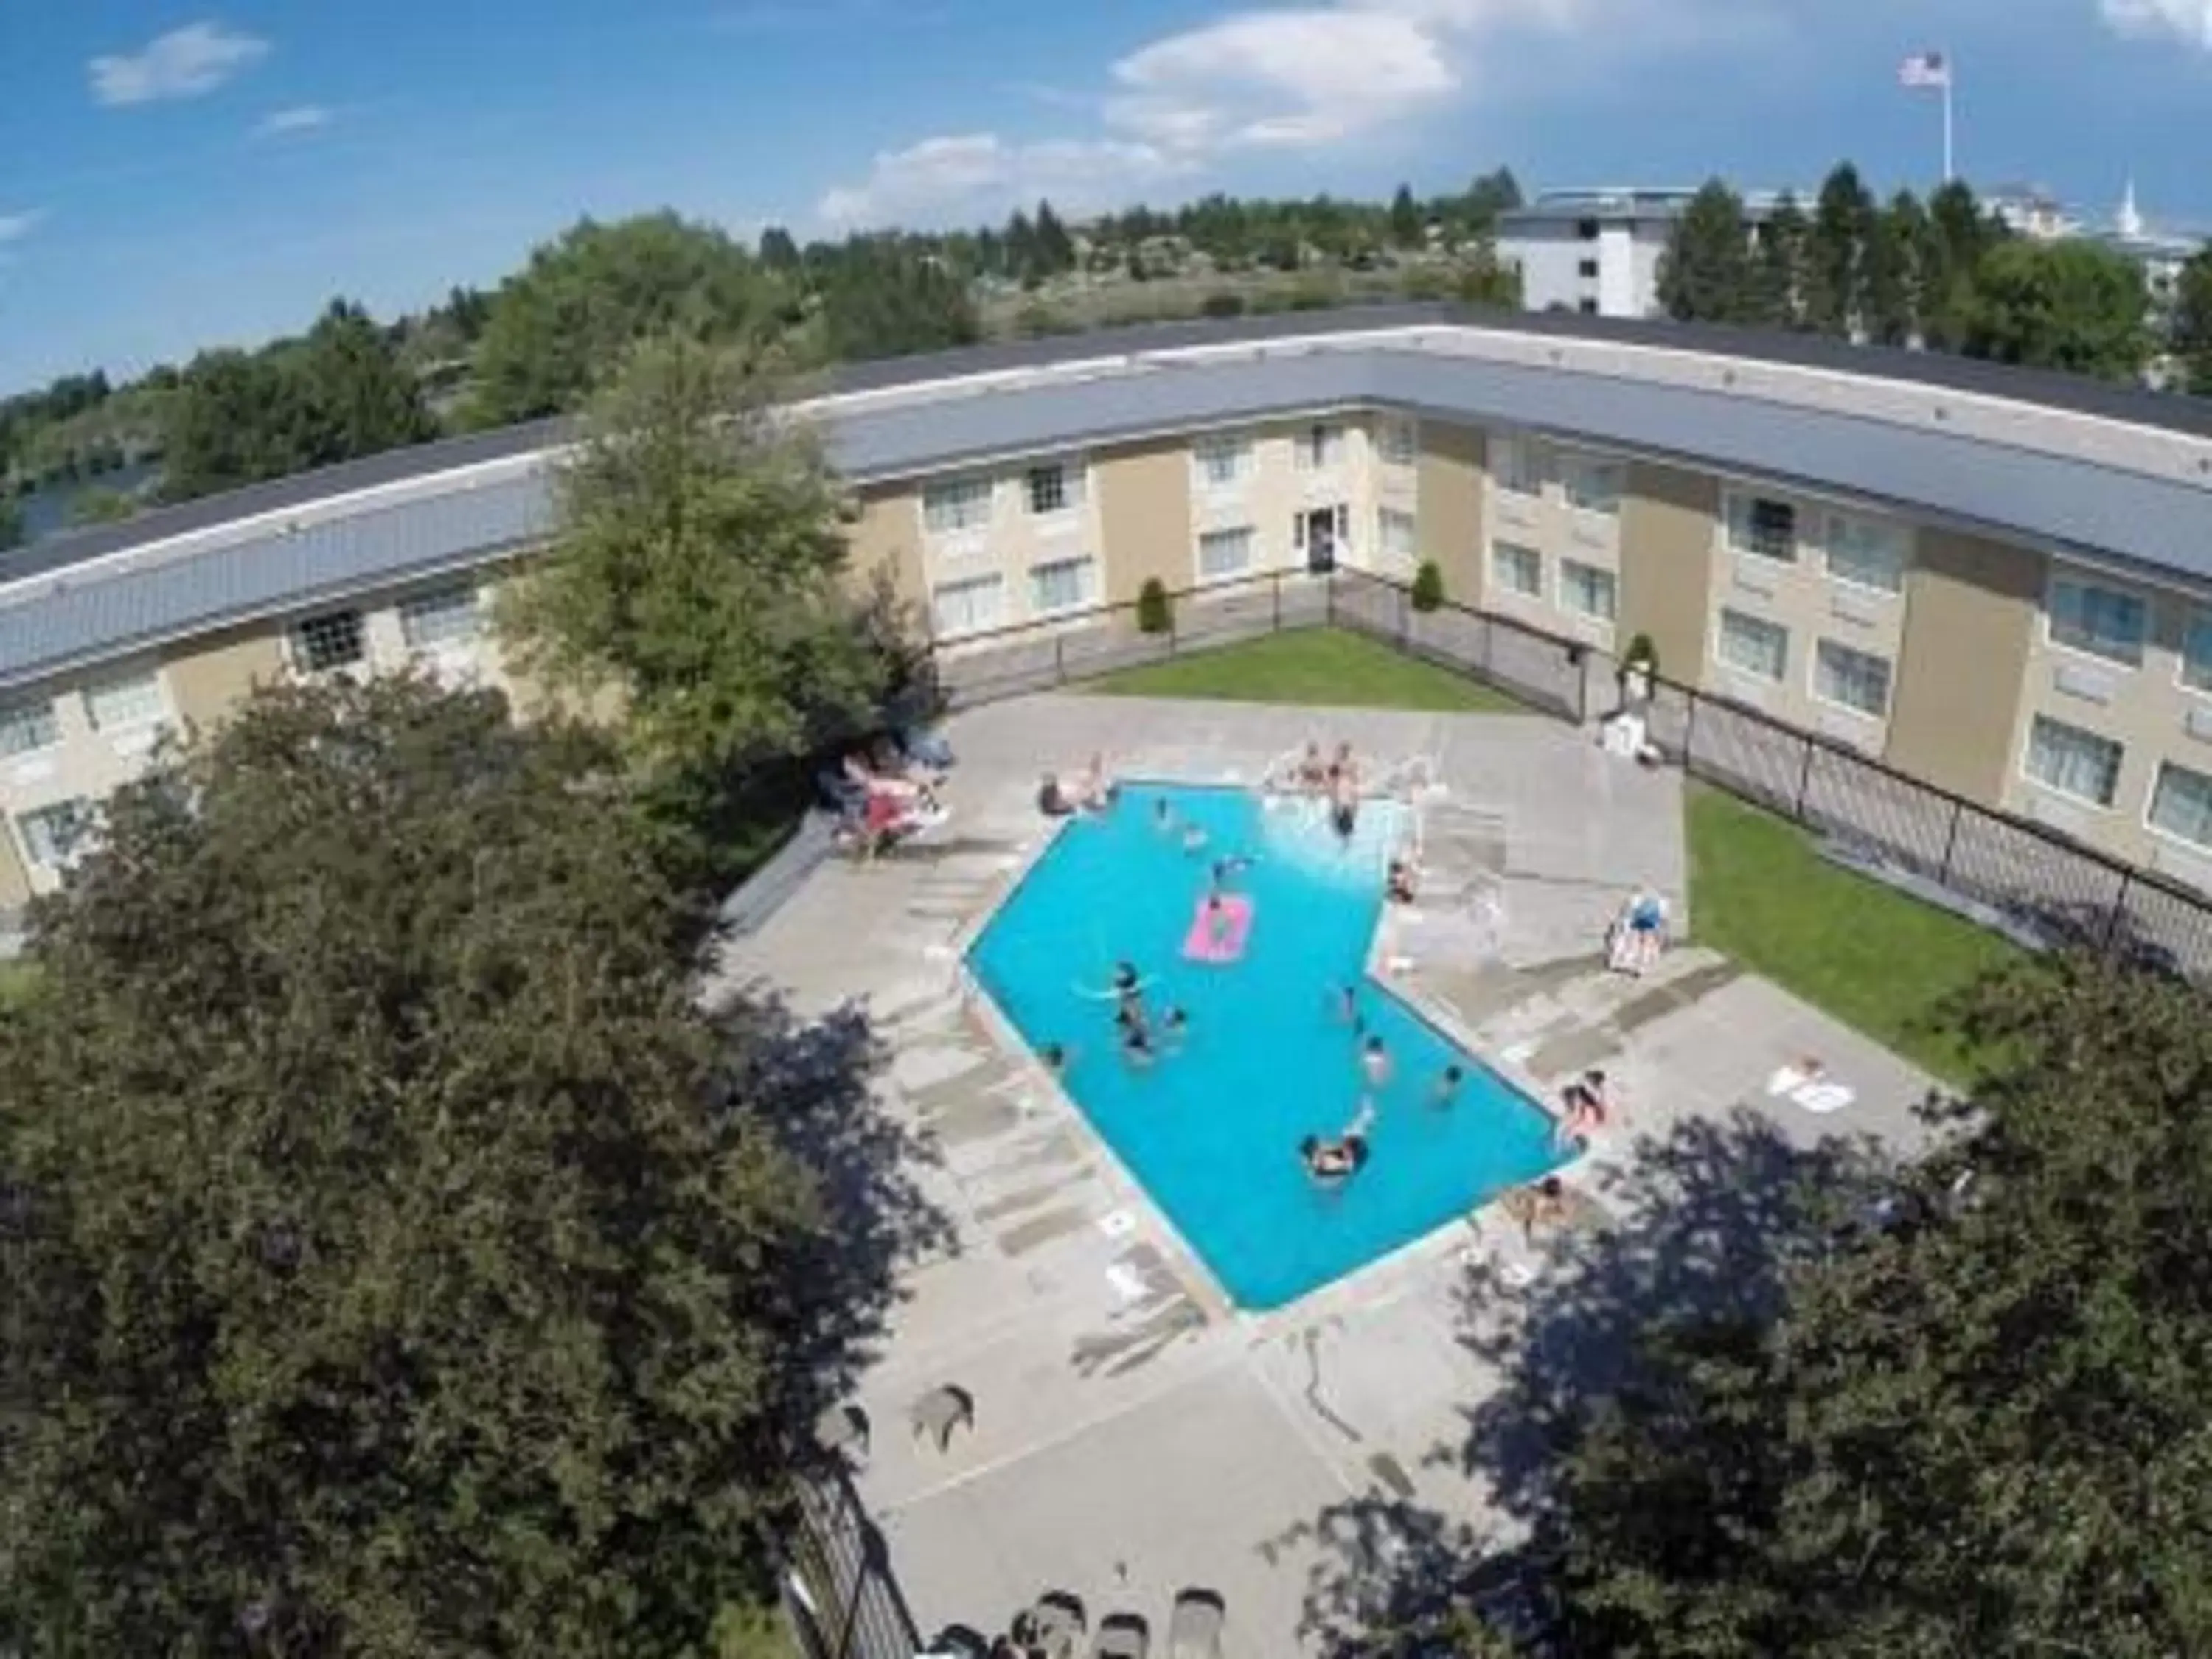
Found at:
<point>1133,1434</point>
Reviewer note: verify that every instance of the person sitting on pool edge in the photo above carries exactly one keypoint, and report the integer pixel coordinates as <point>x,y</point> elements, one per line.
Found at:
<point>1586,1103</point>
<point>1313,770</point>
<point>1332,1161</point>
<point>1401,883</point>
<point>1052,800</point>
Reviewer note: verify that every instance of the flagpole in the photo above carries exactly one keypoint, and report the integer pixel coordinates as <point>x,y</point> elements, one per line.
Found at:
<point>1950,74</point>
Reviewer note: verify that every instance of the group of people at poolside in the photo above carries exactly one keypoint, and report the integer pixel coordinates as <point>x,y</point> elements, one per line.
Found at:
<point>892,792</point>
<point>1092,789</point>
<point>1333,778</point>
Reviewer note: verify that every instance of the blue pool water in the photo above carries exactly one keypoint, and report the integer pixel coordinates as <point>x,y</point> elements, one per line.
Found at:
<point>1213,1130</point>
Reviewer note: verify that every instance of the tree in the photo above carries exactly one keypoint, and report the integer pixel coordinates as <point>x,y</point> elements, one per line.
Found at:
<point>1491,194</point>
<point>234,418</point>
<point>561,324</point>
<point>778,253</point>
<point>401,1263</point>
<point>2069,305</point>
<point>1977,1424</point>
<point>1055,252</point>
<point>1778,277</point>
<point>702,570</point>
<point>354,397</point>
<point>1406,221</point>
<point>1836,252</point>
<point>1959,233</point>
<point>2191,324</point>
<point>880,298</point>
<point>100,505</point>
<point>1704,275</point>
<point>11,524</point>
<point>1898,284</point>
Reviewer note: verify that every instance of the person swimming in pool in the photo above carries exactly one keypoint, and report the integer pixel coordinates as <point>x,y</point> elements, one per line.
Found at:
<point>1334,1162</point>
<point>1193,838</point>
<point>1344,1005</point>
<point>1220,924</point>
<point>1174,1029</point>
<point>1163,814</point>
<point>1445,1089</point>
<point>1375,1063</point>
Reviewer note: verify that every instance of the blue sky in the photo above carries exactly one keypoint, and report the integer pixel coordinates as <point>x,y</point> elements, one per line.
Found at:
<point>179,175</point>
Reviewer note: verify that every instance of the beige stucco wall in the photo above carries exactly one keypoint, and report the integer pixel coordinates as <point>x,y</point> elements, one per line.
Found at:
<point>1666,564</point>
<point>15,882</point>
<point>886,539</point>
<point>208,679</point>
<point>1971,606</point>
<point>1144,500</point>
<point>1450,491</point>
<point>1542,518</point>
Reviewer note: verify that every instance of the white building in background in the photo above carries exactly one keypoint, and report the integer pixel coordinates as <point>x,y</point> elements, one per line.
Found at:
<point>1597,251</point>
<point>2030,211</point>
<point>2161,253</point>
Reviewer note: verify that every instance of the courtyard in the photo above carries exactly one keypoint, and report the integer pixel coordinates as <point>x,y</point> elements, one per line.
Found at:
<point>1134,1433</point>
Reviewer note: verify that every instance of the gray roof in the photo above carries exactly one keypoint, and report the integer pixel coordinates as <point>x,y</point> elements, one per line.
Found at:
<point>97,601</point>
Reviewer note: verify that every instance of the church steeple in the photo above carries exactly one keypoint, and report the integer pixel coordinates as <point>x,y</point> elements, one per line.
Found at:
<point>2128,221</point>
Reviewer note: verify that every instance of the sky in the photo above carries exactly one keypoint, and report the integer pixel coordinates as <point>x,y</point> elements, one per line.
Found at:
<point>175,176</point>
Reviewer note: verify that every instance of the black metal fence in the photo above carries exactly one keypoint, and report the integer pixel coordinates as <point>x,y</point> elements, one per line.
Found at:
<point>838,1592</point>
<point>2004,872</point>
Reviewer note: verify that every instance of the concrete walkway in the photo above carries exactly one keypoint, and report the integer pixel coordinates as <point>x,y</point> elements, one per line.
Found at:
<point>1133,1435</point>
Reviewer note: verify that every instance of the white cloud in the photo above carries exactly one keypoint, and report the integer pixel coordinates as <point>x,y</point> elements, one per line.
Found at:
<point>15,227</point>
<point>300,117</point>
<point>965,176</point>
<point>2189,21</point>
<point>1302,76</point>
<point>182,63</point>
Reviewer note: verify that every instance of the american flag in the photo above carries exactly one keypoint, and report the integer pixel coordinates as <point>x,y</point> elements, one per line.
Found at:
<point>1924,69</point>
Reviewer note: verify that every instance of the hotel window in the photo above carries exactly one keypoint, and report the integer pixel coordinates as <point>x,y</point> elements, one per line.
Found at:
<point>1587,590</point>
<point>1593,486</point>
<point>955,505</point>
<point>1396,442</point>
<point>332,641</point>
<point>1053,488</point>
<point>2195,653</point>
<point>2073,762</point>
<point>969,606</point>
<point>2181,804</point>
<point>1222,461</point>
<point>127,699</point>
<point>53,836</point>
<point>1586,268</point>
<point>1517,464</point>
<point>1516,569</point>
<point>1224,552</point>
<point>1856,680</point>
<point>2100,620</point>
<point>1319,447</point>
<point>1866,553</point>
<point>448,616</point>
<point>1586,229</point>
<point>1752,645</point>
<point>28,726</point>
<point>1760,526</point>
<point>1397,534</point>
<point>1064,584</point>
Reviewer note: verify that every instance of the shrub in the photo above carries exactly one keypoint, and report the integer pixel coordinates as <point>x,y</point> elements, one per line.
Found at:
<point>1428,586</point>
<point>1222,304</point>
<point>1153,616</point>
<point>1641,653</point>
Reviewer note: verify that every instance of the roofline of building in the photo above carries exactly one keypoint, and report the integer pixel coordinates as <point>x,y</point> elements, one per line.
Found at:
<point>2077,394</point>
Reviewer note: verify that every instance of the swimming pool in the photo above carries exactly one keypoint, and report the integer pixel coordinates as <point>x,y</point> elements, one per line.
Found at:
<point>1213,1128</point>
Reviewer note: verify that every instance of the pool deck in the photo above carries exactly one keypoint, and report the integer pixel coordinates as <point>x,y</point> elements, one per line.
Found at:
<point>1133,1434</point>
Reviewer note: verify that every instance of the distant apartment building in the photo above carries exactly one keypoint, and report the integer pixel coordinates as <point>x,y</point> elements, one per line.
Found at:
<point>1597,251</point>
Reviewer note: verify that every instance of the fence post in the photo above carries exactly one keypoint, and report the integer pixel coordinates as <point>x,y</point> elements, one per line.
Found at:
<point>1405,618</point>
<point>2119,910</point>
<point>1950,842</point>
<point>1275,587</point>
<point>1804,779</point>
<point>1329,595</point>
<point>1059,659</point>
<point>1689,727</point>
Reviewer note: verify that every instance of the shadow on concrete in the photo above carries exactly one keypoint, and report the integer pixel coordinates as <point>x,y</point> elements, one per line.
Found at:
<point>1705,1222</point>
<point>810,1086</point>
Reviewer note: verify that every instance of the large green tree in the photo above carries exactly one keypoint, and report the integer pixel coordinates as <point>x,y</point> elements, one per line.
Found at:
<point>1705,274</point>
<point>1778,275</point>
<point>2068,305</point>
<point>1958,233</point>
<point>1976,1422</point>
<point>2191,324</point>
<point>355,397</point>
<point>883,298</point>
<point>1836,247</point>
<point>702,571</point>
<point>557,327</point>
<point>399,1263</point>
<point>1896,285</point>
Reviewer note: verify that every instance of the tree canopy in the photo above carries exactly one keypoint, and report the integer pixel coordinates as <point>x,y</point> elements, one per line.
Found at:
<point>1975,1423</point>
<point>703,570</point>
<point>2192,324</point>
<point>557,327</point>
<point>2069,305</point>
<point>1705,273</point>
<point>400,1263</point>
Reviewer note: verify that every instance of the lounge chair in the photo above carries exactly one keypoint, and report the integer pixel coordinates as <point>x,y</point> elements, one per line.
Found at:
<point>1194,1625</point>
<point>1123,1636</point>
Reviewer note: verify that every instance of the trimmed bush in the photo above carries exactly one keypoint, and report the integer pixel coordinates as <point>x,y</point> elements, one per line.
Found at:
<point>1222,304</point>
<point>1428,586</point>
<point>1641,653</point>
<point>1153,616</point>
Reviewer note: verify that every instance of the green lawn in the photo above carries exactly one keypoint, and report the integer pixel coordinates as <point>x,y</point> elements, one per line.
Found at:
<point>1873,957</point>
<point>1317,667</point>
